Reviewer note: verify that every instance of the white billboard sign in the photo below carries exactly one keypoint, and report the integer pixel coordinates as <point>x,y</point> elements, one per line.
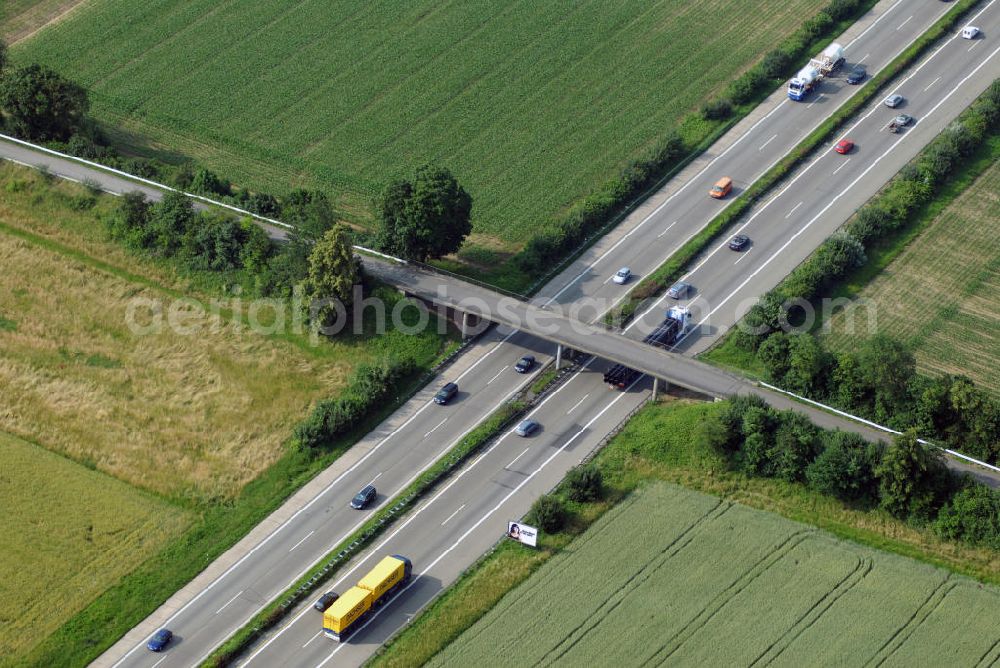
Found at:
<point>522,533</point>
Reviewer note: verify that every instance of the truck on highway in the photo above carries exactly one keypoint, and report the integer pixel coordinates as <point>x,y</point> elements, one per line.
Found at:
<point>348,612</point>
<point>809,76</point>
<point>668,333</point>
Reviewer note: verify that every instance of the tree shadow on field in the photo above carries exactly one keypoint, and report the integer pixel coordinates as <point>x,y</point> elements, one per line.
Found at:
<point>134,145</point>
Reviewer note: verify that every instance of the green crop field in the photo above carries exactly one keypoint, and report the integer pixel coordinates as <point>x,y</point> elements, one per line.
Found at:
<point>672,576</point>
<point>530,104</point>
<point>941,295</point>
<point>69,533</point>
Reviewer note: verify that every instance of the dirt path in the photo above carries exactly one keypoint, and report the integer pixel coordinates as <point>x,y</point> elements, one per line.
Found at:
<point>27,17</point>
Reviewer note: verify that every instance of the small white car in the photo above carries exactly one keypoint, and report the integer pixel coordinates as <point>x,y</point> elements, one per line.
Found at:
<point>622,275</point>
<point>894,101</point>
<point>970,32</point>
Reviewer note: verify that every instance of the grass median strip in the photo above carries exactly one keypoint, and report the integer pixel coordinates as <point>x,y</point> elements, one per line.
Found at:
<point>651,287</point>
<point>269,617</point>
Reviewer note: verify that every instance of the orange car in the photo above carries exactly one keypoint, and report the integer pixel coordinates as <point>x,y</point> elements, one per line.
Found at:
<point>721,187</point>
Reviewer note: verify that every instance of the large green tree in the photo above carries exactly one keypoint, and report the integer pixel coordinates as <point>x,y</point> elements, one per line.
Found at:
<point>427,218</point>
<point>332,275</point>
<point>41,105</point>
<point>912,477</point>
<point>844,467</point>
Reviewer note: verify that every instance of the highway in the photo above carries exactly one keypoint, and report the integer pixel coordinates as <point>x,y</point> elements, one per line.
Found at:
<point>450,530</point>
<point>467,516</point>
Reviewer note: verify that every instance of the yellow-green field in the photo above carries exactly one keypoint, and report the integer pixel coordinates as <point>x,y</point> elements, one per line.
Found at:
<point>675,577</point>
<point>531,104</point>
<point>941,295</point>
<point>181,414</point>
<point>68,534</point>
<point>194,411</point>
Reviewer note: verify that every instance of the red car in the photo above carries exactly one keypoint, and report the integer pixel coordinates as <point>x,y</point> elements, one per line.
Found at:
<point>844,146</point>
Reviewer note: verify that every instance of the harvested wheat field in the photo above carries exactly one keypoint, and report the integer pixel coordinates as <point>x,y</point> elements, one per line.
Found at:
<point>192,415</point>
<point>941,295</point>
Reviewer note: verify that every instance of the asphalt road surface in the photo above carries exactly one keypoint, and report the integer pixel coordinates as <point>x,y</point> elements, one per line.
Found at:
<point>511,475</point>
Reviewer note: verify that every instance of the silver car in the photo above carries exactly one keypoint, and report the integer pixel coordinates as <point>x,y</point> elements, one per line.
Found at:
<point>526,428</point>
<point>894,101</point>
<point>622,275</point>
<point>679,290</point>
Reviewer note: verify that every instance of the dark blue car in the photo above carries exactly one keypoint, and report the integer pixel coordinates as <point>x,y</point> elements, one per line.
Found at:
<point>160,640</point>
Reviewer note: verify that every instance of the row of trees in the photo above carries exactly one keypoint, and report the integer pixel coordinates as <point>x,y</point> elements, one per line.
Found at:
<point>425,218</point>
<point>905,478</point>
<point>878,379</point>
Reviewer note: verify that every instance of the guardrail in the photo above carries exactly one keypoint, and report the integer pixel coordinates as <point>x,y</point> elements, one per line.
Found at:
<point>875,425</point>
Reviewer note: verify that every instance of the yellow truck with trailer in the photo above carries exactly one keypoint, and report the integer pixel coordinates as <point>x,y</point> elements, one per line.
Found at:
<point>348,612</point>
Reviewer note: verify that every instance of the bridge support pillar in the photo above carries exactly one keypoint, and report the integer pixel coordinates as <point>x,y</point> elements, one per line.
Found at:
<point>657,389</point>
<point>558,356</point>
<point>465,325</point>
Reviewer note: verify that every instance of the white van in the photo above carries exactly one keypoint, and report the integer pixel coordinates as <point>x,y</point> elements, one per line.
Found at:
<point>970,32</point>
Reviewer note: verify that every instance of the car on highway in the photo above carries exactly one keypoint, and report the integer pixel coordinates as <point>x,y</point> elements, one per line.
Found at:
<point>857,74</point>
<point>325,601</point>
<point>159,640</point>
<point>739,242</point>
<point>527,427</point>
<point>970,32</point>
<point>894,101</point>
<point>844,146</point>
<point>903,120</point>
<point>622,275</point>
<point>364,498</point>
<point>679,290</point>
<point>721,188</point>
<point>446,394</point>
<point>525,364</point>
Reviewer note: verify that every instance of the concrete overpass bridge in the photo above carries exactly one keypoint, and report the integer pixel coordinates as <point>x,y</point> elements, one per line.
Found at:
<point>477,303</point>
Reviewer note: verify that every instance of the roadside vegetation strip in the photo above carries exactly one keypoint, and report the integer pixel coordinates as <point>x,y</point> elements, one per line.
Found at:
<point>473,442</point>
<point>651,288</point>
<point>665,442</point>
